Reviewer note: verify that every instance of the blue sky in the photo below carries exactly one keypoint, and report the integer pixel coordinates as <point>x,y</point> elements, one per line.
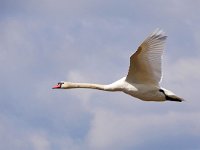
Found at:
<point>43,42</point>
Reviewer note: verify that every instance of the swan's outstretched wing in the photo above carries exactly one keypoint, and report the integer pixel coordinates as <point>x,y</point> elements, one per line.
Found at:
<point>145,63</point>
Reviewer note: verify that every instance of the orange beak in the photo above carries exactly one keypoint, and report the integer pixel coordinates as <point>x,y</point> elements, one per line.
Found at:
<point>56,86</point>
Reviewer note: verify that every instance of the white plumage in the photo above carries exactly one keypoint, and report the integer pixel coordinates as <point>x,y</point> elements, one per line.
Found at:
<point>144,73</point>
<point>145,63</point>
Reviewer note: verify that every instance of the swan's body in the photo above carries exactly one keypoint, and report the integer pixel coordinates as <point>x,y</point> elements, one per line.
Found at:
<point>144,73</point>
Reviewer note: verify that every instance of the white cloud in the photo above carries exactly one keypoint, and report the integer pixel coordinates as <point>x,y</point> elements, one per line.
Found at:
<point>42,42</point>
<point>40,142</point>
<point>184,70</point>
<point>15,45</point>
<point>121,131</point>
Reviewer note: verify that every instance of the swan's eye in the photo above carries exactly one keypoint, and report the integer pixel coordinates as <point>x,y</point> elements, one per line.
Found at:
<point>60,83</point>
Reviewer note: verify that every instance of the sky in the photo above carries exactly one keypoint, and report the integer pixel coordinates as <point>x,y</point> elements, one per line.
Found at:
<point>43,42</point>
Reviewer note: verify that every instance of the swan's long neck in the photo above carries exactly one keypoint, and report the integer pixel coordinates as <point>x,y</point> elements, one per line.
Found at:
<point>108,87</point>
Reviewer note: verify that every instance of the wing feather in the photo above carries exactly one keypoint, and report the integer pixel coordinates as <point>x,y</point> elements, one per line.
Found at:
<point>145,63</point>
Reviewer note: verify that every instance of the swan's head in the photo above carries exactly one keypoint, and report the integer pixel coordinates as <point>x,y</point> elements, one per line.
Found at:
<point>61,85</point>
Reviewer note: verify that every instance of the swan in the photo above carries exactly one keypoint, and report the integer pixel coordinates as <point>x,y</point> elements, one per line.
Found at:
<point>144,74</point>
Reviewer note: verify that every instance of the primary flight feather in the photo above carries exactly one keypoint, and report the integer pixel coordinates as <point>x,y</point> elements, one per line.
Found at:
<point>144,73</point>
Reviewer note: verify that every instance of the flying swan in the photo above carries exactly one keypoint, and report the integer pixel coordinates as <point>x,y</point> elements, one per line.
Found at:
<point>144,73</point>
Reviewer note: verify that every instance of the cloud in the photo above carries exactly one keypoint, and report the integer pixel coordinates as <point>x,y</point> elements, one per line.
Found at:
<point>123,131</point>
<point>185,69</point>
<point>15,135</point>
<point>40,142</point>
<point>43,42</point>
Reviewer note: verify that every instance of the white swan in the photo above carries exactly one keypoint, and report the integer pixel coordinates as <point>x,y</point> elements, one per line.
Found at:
<point>143,76</point>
